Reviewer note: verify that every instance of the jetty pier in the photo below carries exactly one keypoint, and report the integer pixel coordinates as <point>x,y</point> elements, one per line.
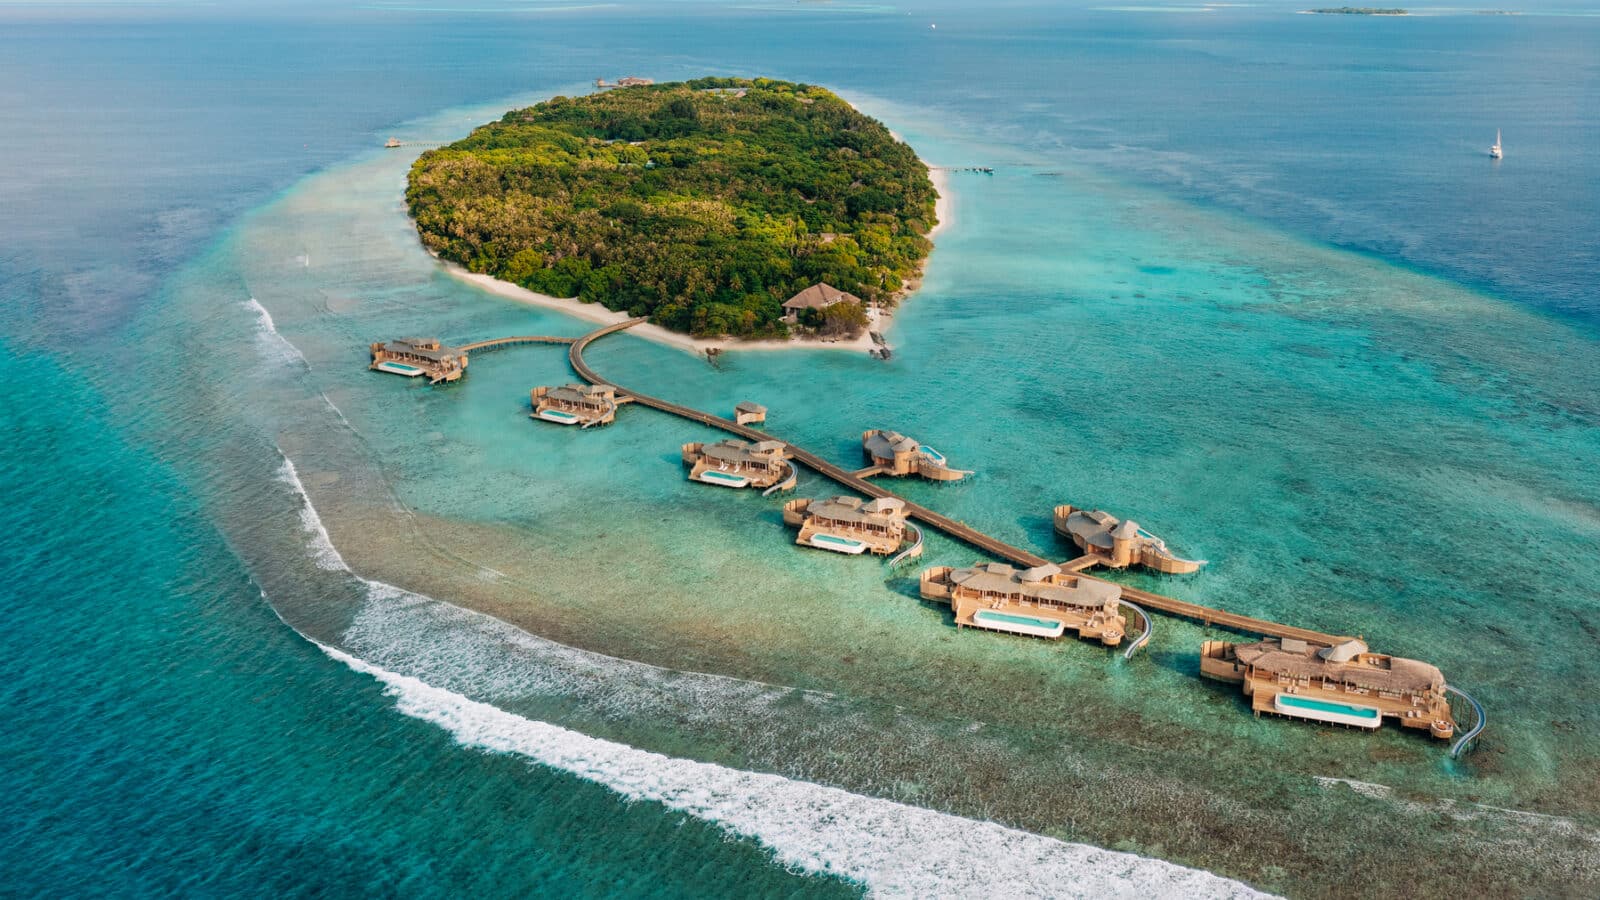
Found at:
<point>1135,600</point>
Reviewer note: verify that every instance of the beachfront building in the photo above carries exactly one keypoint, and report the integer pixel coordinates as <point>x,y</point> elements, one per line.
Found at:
<point>819,296</point>
<point>1042,601</point>
<point>849,525</point>
<point>735,463</point>
<point>749,413</point>
<point>1118,543</point>
<point>892,453</point>
<point>575,404</point>
<point>413,357</point>
<point>1341,685</point>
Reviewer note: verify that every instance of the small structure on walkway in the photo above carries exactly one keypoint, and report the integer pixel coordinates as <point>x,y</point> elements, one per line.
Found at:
<point>1119,543</point>
<point>892,453</point>
<point>1341,685</point>
<point>575,404</point>
<point>1042,601</point>
<point>736,464</point>
<point>412,357</point>
<point>849,525</point>
<point>749,413</point>
<point>819,296</point>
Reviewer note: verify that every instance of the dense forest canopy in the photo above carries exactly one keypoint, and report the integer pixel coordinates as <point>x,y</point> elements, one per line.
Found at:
<point>703,204</point>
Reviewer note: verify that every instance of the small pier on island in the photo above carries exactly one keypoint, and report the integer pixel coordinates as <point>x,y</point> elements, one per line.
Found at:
<point>739,464</point>
<point>1041,601</point>
<point>892,453</point>
<point>851,525</point>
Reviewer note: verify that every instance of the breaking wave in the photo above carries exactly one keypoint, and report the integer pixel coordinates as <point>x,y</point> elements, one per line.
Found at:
<point>893,849</point>
<point>273,345</point>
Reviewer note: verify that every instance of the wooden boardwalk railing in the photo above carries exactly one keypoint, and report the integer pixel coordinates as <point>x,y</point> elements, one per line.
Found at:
<point>517,339</point>
<point>957,530</point>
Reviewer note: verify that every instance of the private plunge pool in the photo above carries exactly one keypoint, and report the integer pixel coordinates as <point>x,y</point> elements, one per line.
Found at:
<point>712,476</point>
<point>1018,624</point>
<point>558,417</point>
<point>1327,711</point>
<point>837,544</point>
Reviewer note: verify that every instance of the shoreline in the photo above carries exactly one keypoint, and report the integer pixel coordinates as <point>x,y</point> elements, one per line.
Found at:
<point>878,320</point>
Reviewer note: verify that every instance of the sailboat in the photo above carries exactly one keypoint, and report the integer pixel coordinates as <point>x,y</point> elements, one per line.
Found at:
<point>1495,152</point>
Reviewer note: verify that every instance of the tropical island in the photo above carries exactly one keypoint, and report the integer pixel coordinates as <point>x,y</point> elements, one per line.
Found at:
<point>706,205</point>
<point>1358,11</point>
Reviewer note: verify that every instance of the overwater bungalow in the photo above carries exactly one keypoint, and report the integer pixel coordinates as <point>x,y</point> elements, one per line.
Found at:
<point>849,525</point>
<point>892,453</point>
<point>1042,601</point>
<point>749,413</point>
<point>1341,685</point>
<point>575,404</point>
<point>413,357</point>
<point>736,464</point>
<point>1119,543</point>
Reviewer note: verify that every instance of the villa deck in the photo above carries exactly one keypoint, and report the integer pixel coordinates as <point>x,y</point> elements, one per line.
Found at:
<point>584,405</point>
<point>738,464</point>
<point>892,453</point>
<point>1340,685</point>
<point>847,525</point>
<point>1042,601</point>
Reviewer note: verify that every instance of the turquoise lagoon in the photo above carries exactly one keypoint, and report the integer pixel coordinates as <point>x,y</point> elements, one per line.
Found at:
<point>1337,434</point>
<point>1362,383</point>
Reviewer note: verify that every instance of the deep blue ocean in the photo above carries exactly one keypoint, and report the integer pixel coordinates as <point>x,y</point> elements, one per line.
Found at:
<point>167,733</point>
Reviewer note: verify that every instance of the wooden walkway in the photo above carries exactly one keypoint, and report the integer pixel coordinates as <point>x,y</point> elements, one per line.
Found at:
<point>957,530</point>
<point>518,339</point>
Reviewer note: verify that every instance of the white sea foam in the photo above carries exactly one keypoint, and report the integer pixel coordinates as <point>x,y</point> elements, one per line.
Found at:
<point>273,345</point>
<point>337,411</point>
<point>317,539</point>
<point>893,849</point>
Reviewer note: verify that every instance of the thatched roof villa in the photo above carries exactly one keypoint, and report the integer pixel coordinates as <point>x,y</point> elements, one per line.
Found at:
<point>575,404</point>
<point>1121,543</point>
<point>892,453</point>
<point>419,356</point>
<point>735,463</point>
<point>1345,684</point>
<point>849,524</point>
<point>1042,601</point>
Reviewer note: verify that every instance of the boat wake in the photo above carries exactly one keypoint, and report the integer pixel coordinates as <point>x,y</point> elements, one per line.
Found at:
<point>892,848</point>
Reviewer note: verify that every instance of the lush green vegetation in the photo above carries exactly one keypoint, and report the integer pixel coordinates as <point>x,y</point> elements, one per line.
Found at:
<point>703,204</point>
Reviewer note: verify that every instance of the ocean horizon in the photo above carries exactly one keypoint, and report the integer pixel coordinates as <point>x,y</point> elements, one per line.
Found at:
<point>283,625</point>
